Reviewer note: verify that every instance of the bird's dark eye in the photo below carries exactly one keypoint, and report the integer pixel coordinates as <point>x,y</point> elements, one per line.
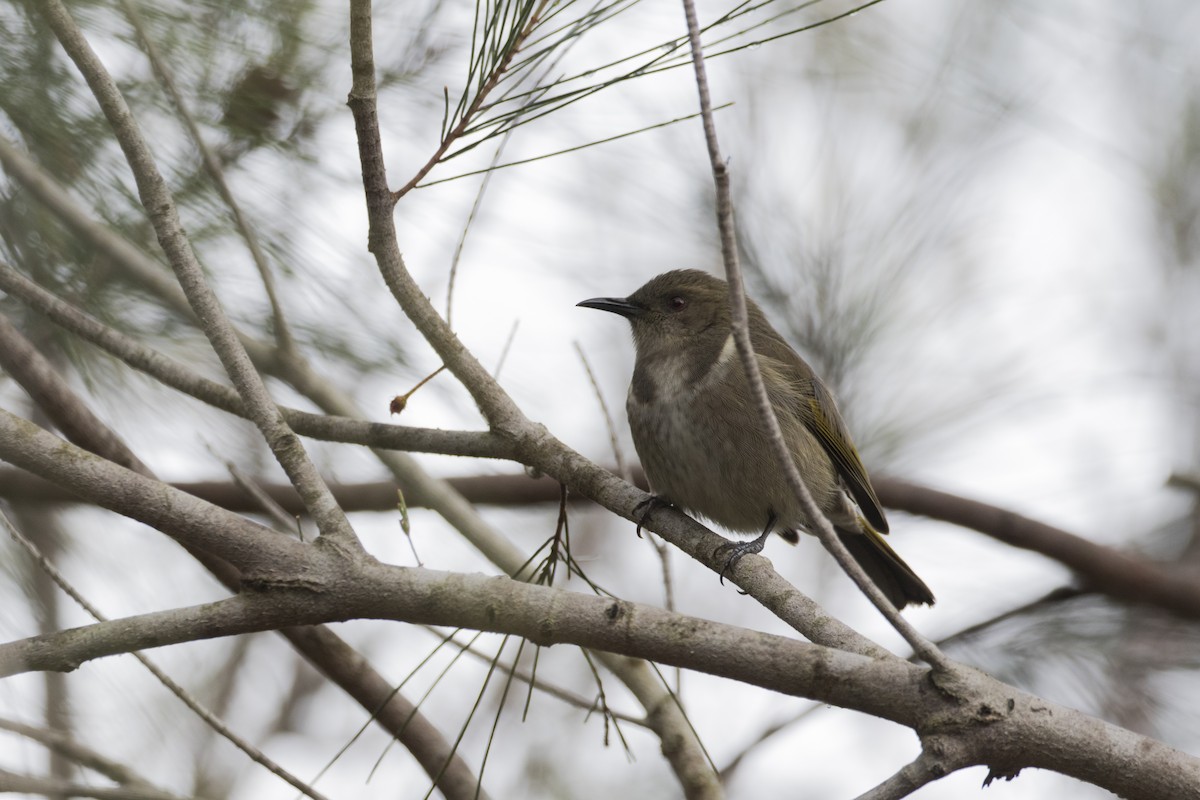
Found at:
<point>677,303</point>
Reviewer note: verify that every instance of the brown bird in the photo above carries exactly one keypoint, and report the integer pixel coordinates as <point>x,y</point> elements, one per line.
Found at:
<point>696,428</point>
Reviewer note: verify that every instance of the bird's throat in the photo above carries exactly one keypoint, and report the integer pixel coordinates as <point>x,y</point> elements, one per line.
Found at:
<point>670,375</point>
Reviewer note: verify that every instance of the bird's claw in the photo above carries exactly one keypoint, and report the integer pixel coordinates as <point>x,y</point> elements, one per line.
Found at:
<point>737,551</point>
<point>644,509</point>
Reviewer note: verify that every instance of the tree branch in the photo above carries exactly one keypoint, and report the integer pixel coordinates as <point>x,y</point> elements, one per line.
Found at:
<point>477,444</point>
<point>184,696</point>
<point>156,198</point>
<point>938,761</point>
<point>926,649</point>
<point>340,662</point>
<point>262,556</point>
<point>1103,569</point>
<point>999,726</point>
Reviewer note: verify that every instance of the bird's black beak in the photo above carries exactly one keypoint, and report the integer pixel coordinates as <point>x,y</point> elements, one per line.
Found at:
<point>617,305</point>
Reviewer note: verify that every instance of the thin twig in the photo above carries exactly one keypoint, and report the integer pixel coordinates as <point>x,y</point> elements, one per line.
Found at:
<point>80,754</point>
<point>609,424</point>
<point>506,349</point>
<point>283,520</point>
<point>156,198</point>
<point>283,336</point>
<point>741,335</point>
<point>481,94</point>
<point>252,752</point>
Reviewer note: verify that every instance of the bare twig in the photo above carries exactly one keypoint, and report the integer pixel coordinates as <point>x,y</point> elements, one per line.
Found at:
<point>216,174</point>
<point>80,754</point>
<point>741,335</point>
<point>194,705</point>
<point>160,206</point>
<point>506,349</point>
<point>286,523</point>
<point>462,239</point>
<point>609,424</point>
<point>51,787</point>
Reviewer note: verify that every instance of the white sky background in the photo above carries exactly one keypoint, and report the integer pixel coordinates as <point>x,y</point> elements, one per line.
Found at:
<point>985,163</point>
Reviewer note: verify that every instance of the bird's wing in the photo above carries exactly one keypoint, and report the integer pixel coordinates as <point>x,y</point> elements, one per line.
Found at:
<point>818,411</point>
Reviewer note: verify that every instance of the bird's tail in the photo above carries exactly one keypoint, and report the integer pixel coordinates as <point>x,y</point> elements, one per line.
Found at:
<point>889,572</point>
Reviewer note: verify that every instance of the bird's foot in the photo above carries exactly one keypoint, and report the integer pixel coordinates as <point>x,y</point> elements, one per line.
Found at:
<point>644,509</point>
<point>737,551</point>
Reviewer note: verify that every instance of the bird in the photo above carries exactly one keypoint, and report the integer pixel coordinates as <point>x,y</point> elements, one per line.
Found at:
<point>697,431</point>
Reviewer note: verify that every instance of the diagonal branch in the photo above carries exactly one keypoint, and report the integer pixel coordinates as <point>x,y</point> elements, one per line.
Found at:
<point>324,649</point>
<point>186,697</point>
<point>741,336</point>
<point>479,444</point>
<point>156,198</point>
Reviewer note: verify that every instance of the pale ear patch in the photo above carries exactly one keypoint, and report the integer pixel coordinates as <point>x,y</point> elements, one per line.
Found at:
<point>728,351</point>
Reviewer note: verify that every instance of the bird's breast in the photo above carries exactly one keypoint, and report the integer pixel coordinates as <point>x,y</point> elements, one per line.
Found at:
<point>703,449</point>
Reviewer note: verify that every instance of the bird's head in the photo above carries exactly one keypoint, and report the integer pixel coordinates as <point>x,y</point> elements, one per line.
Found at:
<point>675,312</point>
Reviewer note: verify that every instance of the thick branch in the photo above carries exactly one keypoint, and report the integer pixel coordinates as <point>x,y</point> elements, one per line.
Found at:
<point>324,649</point>
<point>1103,569</point>
<point>999,726</point>
<point>260,554</point>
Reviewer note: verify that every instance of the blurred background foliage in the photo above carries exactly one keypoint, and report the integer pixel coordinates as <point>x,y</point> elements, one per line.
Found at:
<point>979,221</point>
